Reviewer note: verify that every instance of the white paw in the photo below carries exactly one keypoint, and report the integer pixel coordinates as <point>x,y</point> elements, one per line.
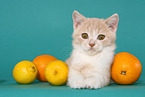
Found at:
<point>93,84</point>
<point>77,84</point>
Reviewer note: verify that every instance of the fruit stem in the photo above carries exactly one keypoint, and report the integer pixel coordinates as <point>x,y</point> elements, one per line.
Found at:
<point>123,72</point>
<point>33,69</point>
<point>55,72</point>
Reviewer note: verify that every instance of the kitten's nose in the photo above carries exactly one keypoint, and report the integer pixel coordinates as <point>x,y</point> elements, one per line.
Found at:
<point>91,44</point>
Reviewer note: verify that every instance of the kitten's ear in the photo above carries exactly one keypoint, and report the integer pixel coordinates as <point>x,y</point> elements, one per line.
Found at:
<point>112,22</point>
<point>77,19</point>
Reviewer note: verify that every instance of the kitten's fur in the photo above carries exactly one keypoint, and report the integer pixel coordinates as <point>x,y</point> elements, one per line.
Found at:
<point>89,67</point>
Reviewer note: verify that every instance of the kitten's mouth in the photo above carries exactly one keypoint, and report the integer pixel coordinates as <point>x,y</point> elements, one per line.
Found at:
<point>91,49</point>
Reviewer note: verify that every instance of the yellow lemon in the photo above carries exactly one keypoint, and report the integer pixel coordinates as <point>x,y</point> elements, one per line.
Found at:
<point>25,72</point>
<point>56,72</point>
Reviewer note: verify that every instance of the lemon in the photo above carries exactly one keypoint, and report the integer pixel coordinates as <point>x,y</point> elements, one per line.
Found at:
<point>25,72</point>
<point>56,72</point>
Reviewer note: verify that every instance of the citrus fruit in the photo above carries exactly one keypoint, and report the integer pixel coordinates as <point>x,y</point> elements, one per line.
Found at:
<point>41,62</point>
<point>56,72</point>
<point>126,68</point>
<point>25,72</point>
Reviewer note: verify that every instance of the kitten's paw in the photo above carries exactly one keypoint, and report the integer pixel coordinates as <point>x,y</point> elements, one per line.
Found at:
<point>76,84</point>
<point>93,84</point>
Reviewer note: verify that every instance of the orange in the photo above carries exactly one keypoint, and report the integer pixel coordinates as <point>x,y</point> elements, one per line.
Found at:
<point>126,68</point>
<point>41,62</point>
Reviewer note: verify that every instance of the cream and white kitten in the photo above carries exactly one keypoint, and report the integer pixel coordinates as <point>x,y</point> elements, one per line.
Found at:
<point>93,51</point>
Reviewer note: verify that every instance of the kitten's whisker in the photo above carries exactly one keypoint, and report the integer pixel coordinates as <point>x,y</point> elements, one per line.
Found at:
<point>67,55</point>
<point>65,52</point>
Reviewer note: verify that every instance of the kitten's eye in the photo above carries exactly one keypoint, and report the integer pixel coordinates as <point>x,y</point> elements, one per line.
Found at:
<point>101,37</point>
<point>85,36</point>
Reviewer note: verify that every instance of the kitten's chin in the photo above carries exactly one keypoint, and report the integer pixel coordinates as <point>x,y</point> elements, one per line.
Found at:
<point>92,52</point>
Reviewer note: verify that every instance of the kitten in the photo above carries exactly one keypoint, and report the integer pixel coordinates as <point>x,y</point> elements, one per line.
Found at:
<point>93,51</point>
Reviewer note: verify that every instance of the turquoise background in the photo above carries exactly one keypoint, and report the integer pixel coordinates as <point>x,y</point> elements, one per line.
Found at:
<point>29,28</point>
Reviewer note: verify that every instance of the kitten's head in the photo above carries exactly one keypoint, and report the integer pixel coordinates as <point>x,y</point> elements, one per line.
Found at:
<point>92,35</point>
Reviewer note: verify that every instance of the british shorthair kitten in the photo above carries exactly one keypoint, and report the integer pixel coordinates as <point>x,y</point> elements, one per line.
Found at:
<point>93,51</point>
